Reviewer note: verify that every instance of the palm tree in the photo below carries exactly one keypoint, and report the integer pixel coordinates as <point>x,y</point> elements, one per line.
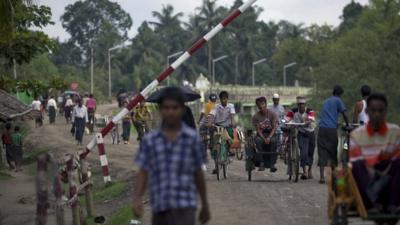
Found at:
<point>166,18</point>
<point>209,13</point>
<point>168,26</point>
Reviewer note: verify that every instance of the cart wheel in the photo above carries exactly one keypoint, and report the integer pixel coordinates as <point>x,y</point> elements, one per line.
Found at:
<point>224,170</point>
<point>340,215</point>
<point>239,154</point>
<point>249,175</point>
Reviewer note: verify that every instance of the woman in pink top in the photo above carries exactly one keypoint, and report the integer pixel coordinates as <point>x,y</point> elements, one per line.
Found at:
<point>91,108</point>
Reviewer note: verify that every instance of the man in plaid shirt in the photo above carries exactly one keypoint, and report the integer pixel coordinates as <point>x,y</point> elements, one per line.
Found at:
<point>171,158</point>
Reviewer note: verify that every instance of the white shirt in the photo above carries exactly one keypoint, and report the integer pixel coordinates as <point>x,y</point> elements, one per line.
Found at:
<point>51,102</point>
<point>80,112</point>
<point>222,115</point>
<point>69,102</point>
<point>363,116</point>
<point>36,105</point>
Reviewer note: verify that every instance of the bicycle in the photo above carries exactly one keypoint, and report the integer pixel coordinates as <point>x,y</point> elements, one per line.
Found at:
<point>220,152</point>
<point>292,150</point>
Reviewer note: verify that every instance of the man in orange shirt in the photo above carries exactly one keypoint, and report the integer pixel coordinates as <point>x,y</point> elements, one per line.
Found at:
<point>375,159</point>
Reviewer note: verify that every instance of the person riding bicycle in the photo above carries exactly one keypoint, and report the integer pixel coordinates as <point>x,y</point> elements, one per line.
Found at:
<point>140,119</point>
<point>360,115</point>
<point>222,115</point>
<point>305,136</point>
<point>375,159</point>
<point>205,115</point>
<point>266,123</point>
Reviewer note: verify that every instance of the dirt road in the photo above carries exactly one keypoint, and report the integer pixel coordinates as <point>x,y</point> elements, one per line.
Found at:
<point>269,199</point>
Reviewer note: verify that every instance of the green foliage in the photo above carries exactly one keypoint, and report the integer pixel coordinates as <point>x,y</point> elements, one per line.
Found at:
<point>96,22</point>
<point>20,40</point>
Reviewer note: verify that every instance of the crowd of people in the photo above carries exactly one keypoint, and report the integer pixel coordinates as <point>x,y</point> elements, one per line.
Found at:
<point>171,154</point>
<point>171,158</point>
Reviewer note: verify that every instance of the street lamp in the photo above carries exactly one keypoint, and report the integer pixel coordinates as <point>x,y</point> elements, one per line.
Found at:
<point>284,71</point>
<point>170,57</point>
<point>213,63</point>
<point>109,66</point>
<point>253,70</point>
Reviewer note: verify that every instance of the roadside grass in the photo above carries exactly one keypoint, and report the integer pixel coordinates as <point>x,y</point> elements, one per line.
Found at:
<point>5,176</point>
<point>112,190</point>
<point>109,192</point>
<point>120,217</point>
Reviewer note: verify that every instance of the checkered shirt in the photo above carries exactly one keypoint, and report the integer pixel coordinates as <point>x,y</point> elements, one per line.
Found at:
<point>171,167</point>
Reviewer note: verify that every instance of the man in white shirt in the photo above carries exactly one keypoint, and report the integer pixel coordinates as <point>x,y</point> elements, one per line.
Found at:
<point>223,113</point>
<point>52,109</point>
<point>80,119</point>
<point>68,107</point>
<point>37,105</point>
<point>279,110</point>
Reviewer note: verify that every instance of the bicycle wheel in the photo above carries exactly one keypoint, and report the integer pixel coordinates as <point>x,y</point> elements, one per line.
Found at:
<point>217,160</point>
<point>224,158</point>
<point>239,154</point>
<point>295,160</point>
<point>289,162</point>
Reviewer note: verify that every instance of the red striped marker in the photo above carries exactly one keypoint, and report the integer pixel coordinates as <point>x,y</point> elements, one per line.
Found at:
<point>162,76</point>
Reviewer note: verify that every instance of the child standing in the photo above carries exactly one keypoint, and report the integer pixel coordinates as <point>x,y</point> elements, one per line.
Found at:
<point>7,144</point>
<point>17,147</point>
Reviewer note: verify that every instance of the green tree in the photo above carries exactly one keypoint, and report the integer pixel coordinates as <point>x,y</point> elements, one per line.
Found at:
<point>21,40</point>
<point>89,21</point>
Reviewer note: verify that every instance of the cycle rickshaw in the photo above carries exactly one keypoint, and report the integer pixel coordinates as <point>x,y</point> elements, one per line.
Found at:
<point>290,151</point>
<point>344,198</point>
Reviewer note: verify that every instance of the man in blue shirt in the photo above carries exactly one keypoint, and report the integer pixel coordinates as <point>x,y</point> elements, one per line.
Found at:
<point>171,158</point>
<point>327,134</point>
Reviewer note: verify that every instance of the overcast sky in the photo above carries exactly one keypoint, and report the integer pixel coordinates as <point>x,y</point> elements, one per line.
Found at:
<point>297,11</point>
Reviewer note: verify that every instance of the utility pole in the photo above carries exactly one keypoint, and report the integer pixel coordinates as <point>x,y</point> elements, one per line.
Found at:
<point>91,69</point>
<point>253,70</point>
<point>236,68</point>
<point>284,71</point>
<point>213,66</point>
<point>109,67</point>
<point>15,68</point>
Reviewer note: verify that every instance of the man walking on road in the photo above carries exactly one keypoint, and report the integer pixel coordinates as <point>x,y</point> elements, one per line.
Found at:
<point>360,115</point>
<point>327,134</point>
<point>79,119</point>
<point>171,158</point>
<point>52,109</point>
<point>305,136</point>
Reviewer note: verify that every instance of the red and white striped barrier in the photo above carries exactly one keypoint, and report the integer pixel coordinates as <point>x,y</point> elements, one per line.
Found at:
<point>150,88</point>
<point>103,157</point>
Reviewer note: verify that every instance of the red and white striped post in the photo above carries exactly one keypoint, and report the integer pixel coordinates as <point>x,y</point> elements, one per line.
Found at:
<point>73,189</point>
<point>162,76</point>
<point>41,190</point>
